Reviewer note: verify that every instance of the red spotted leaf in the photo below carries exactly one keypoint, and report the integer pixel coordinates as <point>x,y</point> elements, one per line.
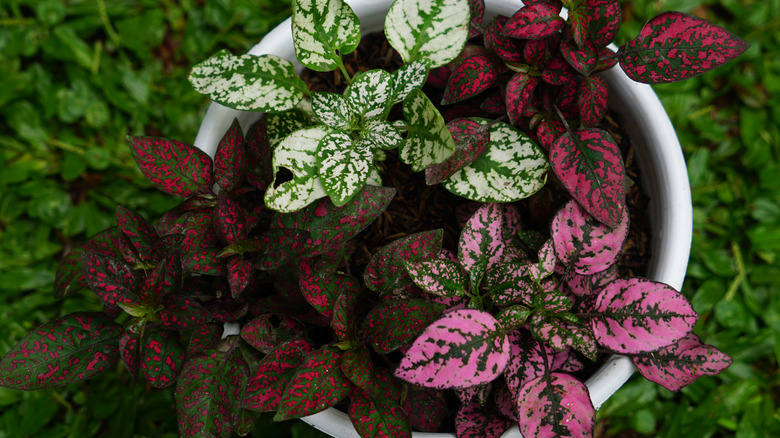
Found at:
<point>607,60</point>
<point>68,349</point>
<point>259,155</point>
<point>344,311</point>
<point>205,337</point>
<point>439,277</point>
<point>549,131</point>
<point>70,275</point>
<point>463,348</point>
<point>204,261</point>
<point>477,14</point>
<point>322,290</point>
<point>427,408</point>
<point>264,334</point>
<point>112,280</point>
<point>386,271</point>
<point>357,366</point>
<point>557,405</point>
<point>605,18</point>
<point>519,94</point>
<point>578,25</point>
<point>471,77</point>
<point>395,323</point>
<point>165,279</point>
<point>674,46</point>
<point>566,101</point>
<point>317,385</point>
<point>162,358</point>
<point>481,243</point>
<point>140,234</point>
<point>582,59</point>
<point>180,312</point>
<point>589,165</point>
<point>229,221</point>
<point>270,377</point>
<point>198,231</point>
<point>175,168</point>
<point>130,346</point>
<point>561,335</point>
<point>229,161</point>
<point>377,417</point>
<point>476,421</point>
<point>638,315</point>
<point>239,273</point>
<point>681,363</point>
<point>592,101</point>
<point>105,243</point>
<point>278,247</point>
<point>558,72</point>
<point>493,103</point>
<point>583,243</point>
<point>210,392</point>
<point>471,139</point>
<point>508,49</point>
<point>329,226</point>
<point>527,361</point>
<point>535,51</point>
<point>534,21</point>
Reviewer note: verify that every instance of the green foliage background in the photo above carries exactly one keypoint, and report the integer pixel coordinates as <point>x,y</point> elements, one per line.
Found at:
<point>78,76</point>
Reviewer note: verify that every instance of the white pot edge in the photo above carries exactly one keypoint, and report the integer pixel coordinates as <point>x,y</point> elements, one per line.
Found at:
<point>663,169</point>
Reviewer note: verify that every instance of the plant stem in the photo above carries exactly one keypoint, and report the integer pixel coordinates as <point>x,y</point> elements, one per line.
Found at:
<point>344,71</point>
<point>107,22</point>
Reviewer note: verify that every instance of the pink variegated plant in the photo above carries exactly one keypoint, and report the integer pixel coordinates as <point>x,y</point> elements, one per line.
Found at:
<point>269,231</point>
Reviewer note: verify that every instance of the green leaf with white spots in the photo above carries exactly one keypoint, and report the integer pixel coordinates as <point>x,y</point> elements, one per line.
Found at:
<point>344,165</point>
<point>280,125</point>
<point>334,110</point>
<point>408,77</point>
<point>381,134</point>
<point>323,31</point>
<point>428,29</point>
<point>512,167</point>
<point>370,93</point>
<point>265,83</point>
<point>428,141</point>
<point>297,153</point>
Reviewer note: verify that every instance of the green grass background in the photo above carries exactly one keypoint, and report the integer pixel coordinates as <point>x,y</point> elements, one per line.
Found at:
<point>77,76</point>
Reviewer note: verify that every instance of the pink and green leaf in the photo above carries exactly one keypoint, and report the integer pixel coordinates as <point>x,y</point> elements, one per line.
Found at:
<point>557,405</point>
<point>269,379</point>
<point>395,323</point>
<point>508,49</point>
<point>519,94</point>
<point>481,243</point>
<point>470,78</point>
<point>175,168</point>
<point>112,280</point>
<point>162,358</point>
<point>427,408</point>
<point>463,348</point>
<point>561,335</point>
<point>475,421</point>
<point>534,21</point>
<point>638,315</point>
<point>229,221</point>
<point>322,290</point>
<point>386,271</point>
<point>239,274</point>
<point>592,101</point>
<point>68,349</point>
<point>439,277</point>
<point>471,138</point>
<point>229,160</point>
<point>181,312</point>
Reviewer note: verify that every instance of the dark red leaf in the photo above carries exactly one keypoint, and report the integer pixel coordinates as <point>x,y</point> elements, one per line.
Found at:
<point>534,21</point>
<point>175,168</point>
<point>471,139</point>
<point>229,221</point>
<point>582,59</point>
<point>471,77</point>
<point>130,346</point>
<point>605,17</point>
<point>260,172</point>
<point>264,335</point>
<point>165,279</point>
<point>356,364</point>
<point>508,49</point>
<point>162,358</point>
<point>427,408</point>
<point>205,261</point>
<point>558,72</point>
<point>112,280</point>
<point>270,377</point>
<point>592,101</point>
<point>519,94</point>
<point>180,312</point>
<point>204,338</point>
<point>386,271</point>
<point>548,131</point>
<point>535,51</point>
<point>239,274</point>
<point>477,14</point>
<point>280,246</point>
<point>395,323</point>
<point>229,162</point>
<point>494,103</point>
<point>139,233</point>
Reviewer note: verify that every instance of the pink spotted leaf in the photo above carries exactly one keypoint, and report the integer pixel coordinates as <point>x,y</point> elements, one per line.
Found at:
<point>229,221</point>
<point>605,18</point>
<point>181,312</point>
<point>508,49</point>
<point>481,243</point>
<point>519,94</point>
<point>210,391</point>
<point>475,421</point>
<point>239,273</point>
<point>439,277</point>
<point>427,408</point>
<point>162,358</point>
<point>165,279</point>
<point>395,323</point>
<point>386,271</point>
<point>510,283</point>
<point>638,315</point>
<point>592,101</point>
<point>463,348</point>
<point>493,103</point>
<point>264,334</point>
<point>534,21</point>
<point>589,165</point>
<point>68,349</point>
<point>561,334</point>
<point>582,59</point>
<point>557,405</point>
<point>681,363</point>
<point>674,46</point>
<point>471,138</point>
<point>513,316</point>
<point>130,346</point>
<point>527,360</point>
<point>205,337</point>
<point>112,280</point>
<point>316,385</point>
<point>270,377</point>
<point>478,393</point>
<point>470,78</point>
<point>175,168</point>
<point>229,160</point>
<point>141,234</point>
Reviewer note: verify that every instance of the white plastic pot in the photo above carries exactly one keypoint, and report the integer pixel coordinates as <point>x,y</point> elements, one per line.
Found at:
<point>663,172</point>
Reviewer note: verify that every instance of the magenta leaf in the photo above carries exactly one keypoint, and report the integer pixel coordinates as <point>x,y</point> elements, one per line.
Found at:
<point>583,59</point>
<point>508,49</point>
<point>439,277</point>
<point>130,346</point>
<point>68,349</point>
<point>534,21</point>
<point>589,165</point>
<point>162,358</point>
<point>638,315</point>
<point>112,280</point>
<point>519,94</point>
<point>322,290</point>
<point>229,161</point>
<point>316,385</point>
<point>481,243</point>
<point>264,335</point>
<point>205,337</point>
<point>605,17</point>
<point>557,405</point>
<point>584,244</point>
<point>175,168</point>
<point>270,377</point>
<point>239,273</point>
<point>205,261</point>
<point>165,279</point>
<point>592,101</point>
<point>588,285</point>
<point>395,323</point>
<point>229,222</point>
<point>577,25</point>
<point>526,360</point>
<point>471,139</point>
<point>140,234</point>
<point>357,366</point>
<point>681,363</point>
<point>180,312</point>
<point>674,46</point>
<point>561,335</point>
<point>558,72</point>
<point>463,348</point>
<point>471,77</point>
<point>477,14</point>
<point>210,391</point>
<point>427,408</point>
<point>343,323</point>
<point>475,421</point>
<point>259,156</point>
<point>386,271</point>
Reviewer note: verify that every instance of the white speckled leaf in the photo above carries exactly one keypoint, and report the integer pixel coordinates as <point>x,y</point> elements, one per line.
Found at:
<point>370,92</point>
<point>381,134</point>
<point>323,31</point>
<point>512,167</point>
<point>333,110</point>
<point>428,29</point>
<point>408,77</point>
<point>298,154</point>
<point>344,165</point>
<point>428,141</point>
<point>247,82</point>
<point>280,125</point>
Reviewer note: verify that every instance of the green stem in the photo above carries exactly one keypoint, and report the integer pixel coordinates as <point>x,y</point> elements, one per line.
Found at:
<point>107,22</point>
<point>343,69</point>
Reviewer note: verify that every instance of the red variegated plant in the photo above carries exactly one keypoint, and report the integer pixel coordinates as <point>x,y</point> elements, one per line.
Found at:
<point>270,235</point>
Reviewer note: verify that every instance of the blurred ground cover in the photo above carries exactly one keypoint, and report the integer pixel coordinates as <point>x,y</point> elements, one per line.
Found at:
<point>78,76</point>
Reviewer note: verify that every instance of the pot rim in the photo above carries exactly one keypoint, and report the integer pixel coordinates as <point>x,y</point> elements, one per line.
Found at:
<point>659,155</point>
